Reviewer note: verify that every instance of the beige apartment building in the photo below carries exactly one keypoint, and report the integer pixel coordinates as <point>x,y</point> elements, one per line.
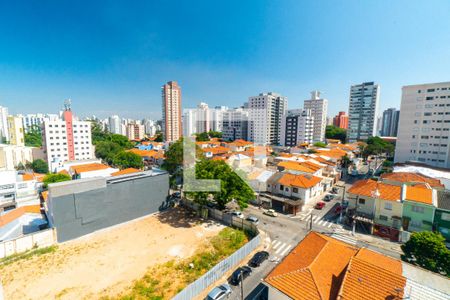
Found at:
<point>171,111</point>
<point>424,125</point>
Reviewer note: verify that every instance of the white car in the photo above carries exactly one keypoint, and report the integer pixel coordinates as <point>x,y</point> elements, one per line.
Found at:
<point>271,212</point>
<point>238,214</point>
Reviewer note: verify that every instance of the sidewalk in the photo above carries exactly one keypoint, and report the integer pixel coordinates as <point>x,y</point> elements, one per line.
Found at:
<point>379,242</point>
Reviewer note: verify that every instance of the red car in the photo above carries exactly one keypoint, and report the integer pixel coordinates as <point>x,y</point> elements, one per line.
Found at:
<point>320,205</point>
<point>338,209</point>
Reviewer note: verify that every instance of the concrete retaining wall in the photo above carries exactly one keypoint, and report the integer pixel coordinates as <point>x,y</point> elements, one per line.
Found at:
<point>43,238</point>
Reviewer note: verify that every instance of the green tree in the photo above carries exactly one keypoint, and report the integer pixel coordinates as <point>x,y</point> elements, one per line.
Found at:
<point>232,186</point>
<point>125,160</point>
<point>98,133</point>
<point>377,146</point>
<point>39,166</point>
<point>215,134</point>
<point>174,156</point>
<point>33,138</point>
<point>107,150</point>
<point>159,137</point>
<point>337,133</point>
<point>53,178</point>
<point>427,249</point>
<point>121,140</point>
<point>202,137</point>
<point>320,144</point>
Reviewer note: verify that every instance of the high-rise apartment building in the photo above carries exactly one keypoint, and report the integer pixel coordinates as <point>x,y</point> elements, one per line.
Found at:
<point>4,135</point>
<point>319,108</point>
<point>171,111</point>
<point>135,132</point>
<point>34,121</point>
<point>265,116</point>
<point>297,127</point>
<point>341,120</point>
<point>362,111</point>
<point>235,124</point>
<point>202,119</point>
<point>389,122</point>
<point>114,125</point>
<point>67,138</point>
<point>149,127</point>
<point>15,131</point>
<point>424,126</point>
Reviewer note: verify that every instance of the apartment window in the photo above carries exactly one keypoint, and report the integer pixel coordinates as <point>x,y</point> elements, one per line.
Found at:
<point>417,209</point>
<point>388,206</point>
<point>384,218</point>
<point>416,223</point>
<point>281,187</point>
<point>295,190</point>
<point>362,201</point>
<point>429,98</point>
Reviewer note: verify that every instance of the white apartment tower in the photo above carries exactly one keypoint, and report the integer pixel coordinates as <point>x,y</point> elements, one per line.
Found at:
<point>171,111</point>
<point>202,119</point>
<point>319,109</point>
<point>4,135</point>
<point>297,127</point>
<point>265,117</point>
<point>362,111</point>
<point>67,138</point>
<point>424,126</point>
<point>235,124</point>
<point>114,125</point>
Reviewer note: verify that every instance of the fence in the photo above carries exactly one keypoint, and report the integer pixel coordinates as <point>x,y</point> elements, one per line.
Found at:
<point>43,238</point>
<point>217,271</point>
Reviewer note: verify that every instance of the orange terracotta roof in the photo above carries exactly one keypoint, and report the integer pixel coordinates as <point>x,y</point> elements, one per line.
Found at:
<point>28,177</point>
<point>368,186</point>
<point>314,269</point>
<point>88,168</point>
<point>14,214</point>
<point>39,177</point>
<point>240,143</point>
<point>312,165</point>
<point>412,177</point>
<point>333,153</point>
<point>419,194</point>
<point>302,181</point>
<point>126,171</point>
<point>216,150</point>
<point>380,260</point>
<point>364,280</point>
<point>147,153</point>
<point>63,171</point>
<point>295,166</point>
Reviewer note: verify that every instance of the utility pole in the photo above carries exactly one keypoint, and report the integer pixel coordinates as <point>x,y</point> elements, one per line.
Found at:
<point>310,222</point>
<point>242,286</point>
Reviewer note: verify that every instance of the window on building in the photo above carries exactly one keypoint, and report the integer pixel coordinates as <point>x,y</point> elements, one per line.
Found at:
<point>417,209</point>
<point>388,206</point>
<point>384,218</point>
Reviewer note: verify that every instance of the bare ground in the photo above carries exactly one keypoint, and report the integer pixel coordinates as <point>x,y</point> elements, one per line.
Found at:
<point>106,262</point>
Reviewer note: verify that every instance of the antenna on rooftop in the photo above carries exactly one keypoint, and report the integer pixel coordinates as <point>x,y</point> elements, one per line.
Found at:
<point>68,105</point>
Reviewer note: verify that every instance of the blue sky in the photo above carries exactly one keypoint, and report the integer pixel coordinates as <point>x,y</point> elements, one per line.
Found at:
<point>111,57</point>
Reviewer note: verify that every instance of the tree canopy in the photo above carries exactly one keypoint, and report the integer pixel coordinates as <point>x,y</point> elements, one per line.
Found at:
<point>320,144</point>
<point>174,156</point>
<point>232,186</point>
<point>107,150</point>
<point>33,138</point>
<point>377,146</point>
<point>206,136</point>
<point>39,166</point>
<point>337,133</point>
<point>125,160</point>
<point>427,249</point>
<point>159,137</point>
<point>53,178</point>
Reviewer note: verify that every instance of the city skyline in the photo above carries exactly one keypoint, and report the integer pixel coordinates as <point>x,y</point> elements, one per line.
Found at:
<point>108,69</point>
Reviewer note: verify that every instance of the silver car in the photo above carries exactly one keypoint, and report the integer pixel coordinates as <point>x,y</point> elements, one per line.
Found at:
<point>219,292</point>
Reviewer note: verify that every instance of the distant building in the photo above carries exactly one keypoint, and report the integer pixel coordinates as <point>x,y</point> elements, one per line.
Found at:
<point>389,122</point>
<point>114,125</point>
<point>319,109</point>
<point>235,124</point>
<point>4,135</point>
<point>15,130</point>
<point>12,156</point>
<point>297,127</point>
<point>149,127</point>
<point>424,125</point>
<point>341,120</point>
<point>135,131</point>
<point>171,111</point>
<point>17,190</point>
<point>31,121</point>
<point>67,139</point>
<point>202,119</point>
<point>363,106</point>
<point>265,117</point>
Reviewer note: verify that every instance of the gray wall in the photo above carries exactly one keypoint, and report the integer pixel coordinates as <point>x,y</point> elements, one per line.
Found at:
<point>82,206</point>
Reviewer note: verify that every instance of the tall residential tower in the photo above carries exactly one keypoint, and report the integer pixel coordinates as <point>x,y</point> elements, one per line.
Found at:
<point>362,111</point>
<point>389,122</point>
<point>171,111</point>
<point>319,108</point>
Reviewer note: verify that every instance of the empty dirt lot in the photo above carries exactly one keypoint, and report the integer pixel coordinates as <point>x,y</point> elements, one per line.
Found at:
<point>106,262</point>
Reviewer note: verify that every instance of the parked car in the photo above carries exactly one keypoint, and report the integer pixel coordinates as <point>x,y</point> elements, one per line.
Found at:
<point>240,274</point>
<point>253,219</point>
<point>271,212</point>
<point>319,205</point>
<point>328,197</point>
<point>237,214</point>
<point>334,190</point>
<point>219,292</point>
<point>258,259</point>
<point>337,210</point>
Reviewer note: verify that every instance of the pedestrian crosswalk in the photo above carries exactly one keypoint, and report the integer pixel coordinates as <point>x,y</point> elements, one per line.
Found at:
<point>345,238</point>
<point>279,249</point>
<point>315,219</point>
